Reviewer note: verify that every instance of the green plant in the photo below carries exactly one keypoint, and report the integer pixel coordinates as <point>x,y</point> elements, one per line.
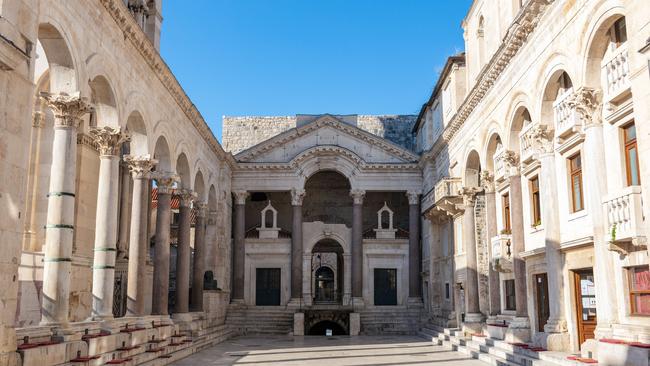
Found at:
<point>537,223</point>
<point>505,232</point>
<point>613,232</point>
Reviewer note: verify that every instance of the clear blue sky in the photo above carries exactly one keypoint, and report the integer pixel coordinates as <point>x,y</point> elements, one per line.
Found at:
<point>283,57</point>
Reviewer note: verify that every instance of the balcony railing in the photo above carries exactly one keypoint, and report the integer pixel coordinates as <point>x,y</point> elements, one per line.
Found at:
<point>500,166</point>
<point>447,195</point>
<point>615,74</point>
<point>624,215</point>
<point>526,142</point>
<point>567,121</point>
<point>501,253</point>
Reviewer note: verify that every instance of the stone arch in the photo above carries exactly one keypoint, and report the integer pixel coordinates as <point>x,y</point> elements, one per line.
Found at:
<point>554,66</point>
<point>559,85</point>
<point>472,171</point>
<point>137,129</point>
<point>323,158</point>
<point>510,134</point>
<point>162,154</point>
<point>183,171</point>
<point>53,50</point>
<point>596,42</point>
<point>339,238</point>
<point>105,103</point>
<point>493,143</point>
<point>199,187</point>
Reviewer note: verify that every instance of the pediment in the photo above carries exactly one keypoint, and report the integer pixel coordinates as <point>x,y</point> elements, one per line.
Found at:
<point>327,132</point>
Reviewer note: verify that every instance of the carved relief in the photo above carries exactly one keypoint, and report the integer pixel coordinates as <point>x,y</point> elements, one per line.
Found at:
<point>140,166</point>
<point>109,139</point>
<point>67,108</point>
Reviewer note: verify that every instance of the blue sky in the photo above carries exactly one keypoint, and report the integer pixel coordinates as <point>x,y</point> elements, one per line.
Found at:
<point>284,57</point>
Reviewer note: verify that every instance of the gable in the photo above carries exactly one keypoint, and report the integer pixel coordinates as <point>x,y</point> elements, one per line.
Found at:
<point>326,131</point>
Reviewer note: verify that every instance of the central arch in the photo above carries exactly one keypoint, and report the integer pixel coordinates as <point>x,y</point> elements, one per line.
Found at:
<point>327,272</point>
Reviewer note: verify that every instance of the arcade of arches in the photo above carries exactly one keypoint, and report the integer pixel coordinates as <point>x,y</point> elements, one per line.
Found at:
<point>512,209</point>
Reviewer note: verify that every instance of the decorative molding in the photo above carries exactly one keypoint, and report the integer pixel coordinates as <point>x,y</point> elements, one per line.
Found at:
<point>587,102</point>
<point>124,19</point>
<point>109,139</point>
<point>165,181</point>
<point>487,181</point>
<point>140,166</point>
<point>413,197</point>
<point>357,196</point>
<point>297,195</point>
<point>240,197</point>
<point>68,109</point>
<point>521,28</point>
<point>331,121</point>
<point>186,197</point>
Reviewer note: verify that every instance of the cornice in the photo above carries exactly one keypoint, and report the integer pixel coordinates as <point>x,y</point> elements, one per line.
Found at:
<point>138,38</point>
<point>326,120</point>
<point>517,35</point>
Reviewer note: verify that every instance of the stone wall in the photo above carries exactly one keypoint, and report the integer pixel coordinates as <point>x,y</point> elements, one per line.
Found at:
<point>241,133</point>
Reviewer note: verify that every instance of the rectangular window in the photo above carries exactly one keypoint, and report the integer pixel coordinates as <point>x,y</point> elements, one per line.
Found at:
<point>618,33</point>
<point>631,156</point>
<point>506,212</point>
<point>447,291</point>
<point>575,176</point>
<point>511,303</point>
<point>639,283</point>
<point>535,203</point>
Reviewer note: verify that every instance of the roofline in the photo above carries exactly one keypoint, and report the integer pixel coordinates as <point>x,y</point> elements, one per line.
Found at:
<point>458,59</point>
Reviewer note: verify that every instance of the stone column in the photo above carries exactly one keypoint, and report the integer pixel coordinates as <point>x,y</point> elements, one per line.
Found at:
<point>487,181</point>
<point>109,140</point>
<point>199,256</point>
<point>239,251</point>
<point>297,196</point>
<point>160,301</point>
<point>557,338</point>
<point>588,105</point>
<point>140,166</point>
<point>183,252</point>
<point>357,245</point>
<point>123,236</point>
<point>473,317</point>
<point>519,326</point>
<point>68,111</point>
<point>415,263</point>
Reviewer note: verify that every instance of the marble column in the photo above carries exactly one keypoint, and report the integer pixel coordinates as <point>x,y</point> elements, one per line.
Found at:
<point>588,105</point>
<point>199,256</point>
<point>160,301</point>
<point>415,263</point>
<point>297,196</point>
<point>473,315</point>
<point>68,111</point>
<point>357,244</point>
<point>520,325</point>
<point>487,182</point>
<point>239,251</point>
<point>123,235</point>
<point>140,167</point>
<point>184,252</point>
<point>109,140</point>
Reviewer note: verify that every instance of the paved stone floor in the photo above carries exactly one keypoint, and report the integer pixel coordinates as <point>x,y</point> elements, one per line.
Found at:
<point>328,351</point>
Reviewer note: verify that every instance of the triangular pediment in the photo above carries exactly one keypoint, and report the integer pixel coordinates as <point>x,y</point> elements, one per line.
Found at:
<point>325,131</point>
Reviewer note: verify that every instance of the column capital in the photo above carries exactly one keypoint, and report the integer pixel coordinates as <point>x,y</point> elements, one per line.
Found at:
<point>240,197</point>
<point>357,196</point>
<point>413,196</point>
<point>541,139</point>
<point>469,195</point>
<point>511,163</point>
<point>587,102</point>
<point>186,197</point>
<point>487,181</point>
<point>109,139</point>
<point>165,181</point>
<point>140,166</point>
<point>67,108</point>
<point>297,195</point>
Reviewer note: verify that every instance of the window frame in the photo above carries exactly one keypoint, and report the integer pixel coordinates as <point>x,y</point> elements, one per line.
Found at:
<point>535,202</point>
<point>577,172</point>
<point>627,147</point>
<point>632,293</point>
<point>505,200</point>
<point>507,304</point>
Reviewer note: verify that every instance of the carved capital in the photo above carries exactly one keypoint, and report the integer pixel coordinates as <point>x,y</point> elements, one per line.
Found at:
<point>511,163</point>
<point>469,195</point>
<point>165,181</point>
<point>414,197</point>
<point>67,108</point>
<point>541,138</point>
<point>140,166</point>
<point>240,197</point>
<point>186,197</point>
<point>487,181</point>
<point>587,102</point>
<point>297,195</point>
<point>357,196</point>
<point>108,139</point>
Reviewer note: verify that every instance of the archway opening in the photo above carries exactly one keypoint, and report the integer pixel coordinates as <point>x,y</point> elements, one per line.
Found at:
<point>321,328</point>
<point>327,199</point>
<point>327,272</point>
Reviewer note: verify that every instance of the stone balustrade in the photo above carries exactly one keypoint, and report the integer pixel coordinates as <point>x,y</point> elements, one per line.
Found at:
<point>500,166</point>
<point>527,143</point>
<point>447,195</point>
<point>624,215</point>
<point>615,74</point>
<point>567,121</point>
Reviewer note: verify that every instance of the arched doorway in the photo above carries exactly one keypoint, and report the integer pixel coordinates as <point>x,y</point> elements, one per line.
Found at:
<point>327,272</point>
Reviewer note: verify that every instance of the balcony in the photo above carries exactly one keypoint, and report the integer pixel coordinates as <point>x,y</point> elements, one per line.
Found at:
<point>502,162</point>
<point>501,253</point>
<point>526,142</point>
<point>567,121</point>
<point>624,220</point>
<point>447,195</point>
<point>615,75</point>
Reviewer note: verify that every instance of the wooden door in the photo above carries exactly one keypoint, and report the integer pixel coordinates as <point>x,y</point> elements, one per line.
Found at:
<point>385,286</point>
<point>585,295</point>
<point>267,286</point>
<point>541,289</point>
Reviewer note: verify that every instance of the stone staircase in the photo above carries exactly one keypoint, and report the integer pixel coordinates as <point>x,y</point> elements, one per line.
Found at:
<point>400,321</point>
<point>492,351</point>
<point>260,320</point>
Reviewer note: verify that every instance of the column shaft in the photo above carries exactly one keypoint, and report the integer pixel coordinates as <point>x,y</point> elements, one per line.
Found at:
<point>493,276</point>
<point>357,250</point>
<point>161,255</point>
<point>239,251</point>
<point>415,263</point>
<point>135,303</point>
<point>123,236</point>
<point>183,254</point>
<point>517,221</point>
<point>199,260</point>
<point>469,235</point>
<point>296,253</point>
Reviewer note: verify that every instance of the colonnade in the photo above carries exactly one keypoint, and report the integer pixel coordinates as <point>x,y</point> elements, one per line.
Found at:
<point>68,113</point>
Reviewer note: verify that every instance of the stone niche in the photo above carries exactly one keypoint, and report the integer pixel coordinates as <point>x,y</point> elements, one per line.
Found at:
<point>269,228</point>
<point>385,229</point>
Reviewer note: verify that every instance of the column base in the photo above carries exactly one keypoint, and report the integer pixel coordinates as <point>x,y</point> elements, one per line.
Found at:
<point>473,323</point>
<point>358,303</point>
<point>298,324</point>
<point>237,304</point>
<point>355,324</point>
<point>295,303</point>
<point>518,330</point>
<point>414,303</point>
